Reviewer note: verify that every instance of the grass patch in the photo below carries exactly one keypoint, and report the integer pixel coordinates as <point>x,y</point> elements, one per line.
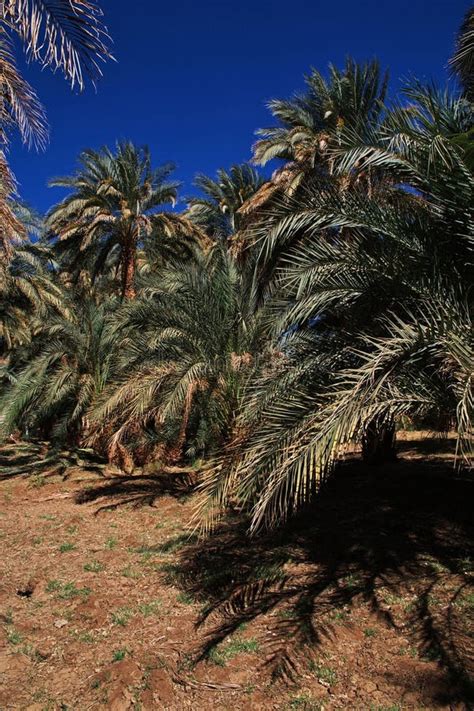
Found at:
<point>86,637</point>
<point>14,637</point>
<point>119,654</point>
<point>94,567</point>
<point>340,616</point>
<point>130,572</point>
<point>370,632</point>
<point>323,673</point>
<point>465,600</point>
<point>352,581</point>
<point>171,571</point>
<point>122,616</point>
<point>66,547</point>
<point>66,591</point>
<point>32,653</point>
<point>185,599</point>
<point>53,585</point>
<point>69,590</point>
<point>37,481</point>
<point>147,609</point>
<point>222,653</point>
<point>174,544</point>
<point>305,702</point>
<point>268,571</point>
<point>111,543</point>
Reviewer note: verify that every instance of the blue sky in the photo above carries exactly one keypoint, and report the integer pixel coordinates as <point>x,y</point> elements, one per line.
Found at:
<point>192,78</point>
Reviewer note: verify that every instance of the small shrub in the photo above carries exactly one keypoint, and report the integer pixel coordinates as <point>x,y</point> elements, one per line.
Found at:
<point>66,547</point>
<point>14,637</point>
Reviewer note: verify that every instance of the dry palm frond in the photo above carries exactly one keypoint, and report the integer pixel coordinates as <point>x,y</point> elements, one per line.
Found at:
<point>62,34</point>
<point>19,107</point>
<point>462,63</point>
<point>11,228</point>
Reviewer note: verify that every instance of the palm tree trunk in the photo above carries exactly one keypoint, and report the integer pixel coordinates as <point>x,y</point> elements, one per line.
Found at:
<point>378,442</point>
<point>128,271</point>
<point>176,452</point>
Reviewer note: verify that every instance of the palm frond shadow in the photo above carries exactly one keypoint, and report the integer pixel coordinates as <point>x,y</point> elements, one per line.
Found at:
<point>39,459</point>
<point>371,535</point>
<point>134,491</point>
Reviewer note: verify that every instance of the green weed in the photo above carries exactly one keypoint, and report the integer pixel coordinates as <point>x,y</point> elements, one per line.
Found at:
<point>323,673</point>
<point>150,608</point>
<point>94,567</point>
<point>122,616</point>
<point>66,547</point>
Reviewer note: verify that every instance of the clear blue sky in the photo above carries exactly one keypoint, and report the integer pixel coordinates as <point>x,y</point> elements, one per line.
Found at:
<point>192,78</point>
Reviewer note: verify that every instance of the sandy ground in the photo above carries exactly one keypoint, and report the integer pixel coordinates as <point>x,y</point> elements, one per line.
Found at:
<point>365,602</point>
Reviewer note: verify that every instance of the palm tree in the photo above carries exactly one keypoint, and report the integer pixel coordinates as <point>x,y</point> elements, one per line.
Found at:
<point>188,343</point>
<point>112,210</point>
<point>311,125</point>
<point>53,379</point>
<point>217,211</point>
<point>372,311</point>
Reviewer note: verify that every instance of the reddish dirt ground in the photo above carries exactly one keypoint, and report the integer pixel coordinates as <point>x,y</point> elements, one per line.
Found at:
<point>364,602</point>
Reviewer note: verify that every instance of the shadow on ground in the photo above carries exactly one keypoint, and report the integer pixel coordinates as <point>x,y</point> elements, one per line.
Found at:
<point>40,459</point>
<point>134,491</point>
<point>373,535</point>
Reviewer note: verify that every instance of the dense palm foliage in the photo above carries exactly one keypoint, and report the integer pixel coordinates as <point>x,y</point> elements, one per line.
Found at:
<point>56,376</point>
<point>187,347</point>
<point>372,311</point>
<point>218,210</point>
<point>26,290</point>
<point>273,323</point>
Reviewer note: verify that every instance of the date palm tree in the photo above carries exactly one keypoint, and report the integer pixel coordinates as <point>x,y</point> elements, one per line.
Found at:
<point>188,342</point>
<point>54,377</point>
<point>217,210</point>
<point>115,207</point>
<point>372,312</point>
<point>312,124</point>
